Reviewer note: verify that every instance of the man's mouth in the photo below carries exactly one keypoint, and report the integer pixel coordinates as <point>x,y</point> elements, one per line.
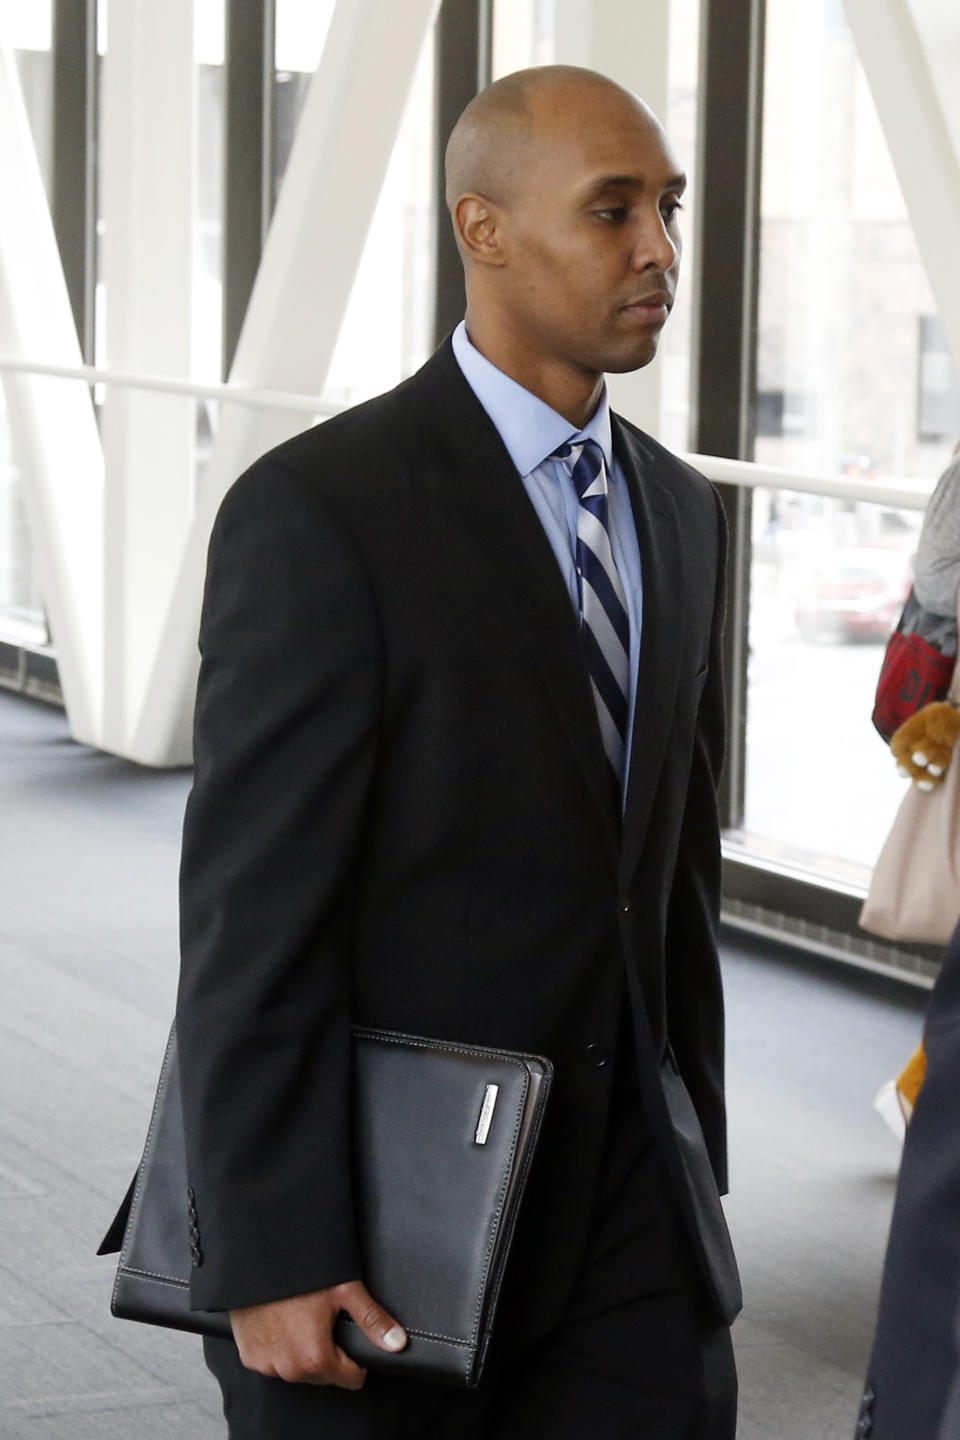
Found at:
<point>654,306</point>
<point>652,297</point>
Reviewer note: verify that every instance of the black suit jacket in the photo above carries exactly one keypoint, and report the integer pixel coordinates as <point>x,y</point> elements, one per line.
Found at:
<point>401,817</point>
<point>915,1362</point>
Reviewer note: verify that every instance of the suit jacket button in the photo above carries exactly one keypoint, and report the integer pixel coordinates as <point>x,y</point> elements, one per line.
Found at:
<point>598,1055</point>
<point>865,1418</point>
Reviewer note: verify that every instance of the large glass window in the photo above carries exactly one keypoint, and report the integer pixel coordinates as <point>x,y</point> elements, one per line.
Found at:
<point>829,578</point>
<point>523,35</point>
<point>299,37</point>
<point>680,122</point>
<point>206,216</point>
<point>846,349</point>
<point>386,331</point>
<point>842,285</point>
<point>209,37</point>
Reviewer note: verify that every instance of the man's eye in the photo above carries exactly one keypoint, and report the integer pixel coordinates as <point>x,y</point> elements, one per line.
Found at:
<point>615,213</point>
<point>670,209</point>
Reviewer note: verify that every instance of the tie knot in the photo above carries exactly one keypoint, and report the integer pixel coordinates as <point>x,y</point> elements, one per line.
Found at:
<point>583,460</point>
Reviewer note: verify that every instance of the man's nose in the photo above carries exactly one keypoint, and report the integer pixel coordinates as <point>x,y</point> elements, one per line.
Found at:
<point>656,246</point>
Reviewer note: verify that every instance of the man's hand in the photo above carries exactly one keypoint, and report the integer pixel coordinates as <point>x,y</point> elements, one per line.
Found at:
<point>293,1339</point>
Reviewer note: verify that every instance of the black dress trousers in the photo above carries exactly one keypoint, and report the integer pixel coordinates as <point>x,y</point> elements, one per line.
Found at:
<point>639,1353</point>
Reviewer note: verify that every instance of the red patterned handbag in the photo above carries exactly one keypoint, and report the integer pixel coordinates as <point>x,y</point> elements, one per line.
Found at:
<point>914,671</point>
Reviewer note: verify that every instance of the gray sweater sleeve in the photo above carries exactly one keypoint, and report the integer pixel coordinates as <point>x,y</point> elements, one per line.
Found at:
<point>937,576</point>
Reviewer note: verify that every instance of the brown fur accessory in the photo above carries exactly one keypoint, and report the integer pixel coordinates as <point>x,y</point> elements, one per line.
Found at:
<point>923,744</point>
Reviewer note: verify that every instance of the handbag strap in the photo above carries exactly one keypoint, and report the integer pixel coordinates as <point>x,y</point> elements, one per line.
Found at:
<point>953,694</point>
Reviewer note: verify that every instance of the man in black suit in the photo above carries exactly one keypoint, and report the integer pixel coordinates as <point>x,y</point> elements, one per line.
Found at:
<point>913,1385</point>
<point>437,791</point>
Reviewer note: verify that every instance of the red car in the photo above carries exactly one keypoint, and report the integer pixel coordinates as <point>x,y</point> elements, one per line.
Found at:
<point>857,594</point>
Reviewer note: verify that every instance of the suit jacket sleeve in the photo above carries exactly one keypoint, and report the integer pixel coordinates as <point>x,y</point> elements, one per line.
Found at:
<point>693,972</point>
<point>285,740</point>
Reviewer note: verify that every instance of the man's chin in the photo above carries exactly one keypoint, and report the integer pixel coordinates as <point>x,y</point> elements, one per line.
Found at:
<point>633,357</point>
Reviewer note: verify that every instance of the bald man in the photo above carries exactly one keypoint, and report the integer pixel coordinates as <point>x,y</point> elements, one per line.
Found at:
<point>458,731</point>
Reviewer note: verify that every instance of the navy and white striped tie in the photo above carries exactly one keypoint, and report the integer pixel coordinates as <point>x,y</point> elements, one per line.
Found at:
<point>604,626</point>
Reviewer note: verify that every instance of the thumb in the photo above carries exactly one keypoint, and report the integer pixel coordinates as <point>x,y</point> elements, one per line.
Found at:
<point>375,1322</point>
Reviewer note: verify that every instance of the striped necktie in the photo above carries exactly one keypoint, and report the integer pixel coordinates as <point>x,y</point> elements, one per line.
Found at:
<point>604,627</point>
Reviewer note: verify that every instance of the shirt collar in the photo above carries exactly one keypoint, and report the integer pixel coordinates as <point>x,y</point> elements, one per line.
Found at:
<point>527,425</point>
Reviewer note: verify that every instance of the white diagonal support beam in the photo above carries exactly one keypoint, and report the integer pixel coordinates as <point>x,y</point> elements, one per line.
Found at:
<point>147,161</point>
<point>53,429</point>
<point>938,27</point>
<point>344,140</point>
<point>918,111</point>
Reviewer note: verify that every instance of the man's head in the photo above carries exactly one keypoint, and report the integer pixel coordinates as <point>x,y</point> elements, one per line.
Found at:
<point>564,197</point>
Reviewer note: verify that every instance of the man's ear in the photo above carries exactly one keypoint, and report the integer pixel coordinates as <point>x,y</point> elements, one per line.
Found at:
<point>478,225</point>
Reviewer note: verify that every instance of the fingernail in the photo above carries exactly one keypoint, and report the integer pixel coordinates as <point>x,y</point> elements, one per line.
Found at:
<point>919,758</point>
<point>925,785</point>
<point>395,1339</point>
<point>935,770</point>
<point>902,770</point>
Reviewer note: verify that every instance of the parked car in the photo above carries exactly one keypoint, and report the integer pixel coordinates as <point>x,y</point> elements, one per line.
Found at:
<point>856,594</point>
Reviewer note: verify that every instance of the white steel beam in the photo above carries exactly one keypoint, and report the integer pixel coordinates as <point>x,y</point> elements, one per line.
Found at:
<point>938,26</point>
<point>916,112</point>
<point>630,43</point>
<point>147,159</point>
<point>346,134</point>
<point>54,433</point>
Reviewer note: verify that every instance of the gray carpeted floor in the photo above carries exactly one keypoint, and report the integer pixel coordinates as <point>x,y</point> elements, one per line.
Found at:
<point>812,1178</point>
<point>88,856</point>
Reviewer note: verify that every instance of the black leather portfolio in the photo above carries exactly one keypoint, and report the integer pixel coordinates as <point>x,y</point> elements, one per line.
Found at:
<point>445,1135</point>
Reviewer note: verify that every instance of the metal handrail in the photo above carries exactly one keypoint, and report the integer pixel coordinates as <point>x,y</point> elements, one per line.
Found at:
<point>882,491</point>
<point>886,491</point>
<point>168,385</point>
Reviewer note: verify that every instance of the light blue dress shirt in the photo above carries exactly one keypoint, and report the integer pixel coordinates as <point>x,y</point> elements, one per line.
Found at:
<point>531,431</point>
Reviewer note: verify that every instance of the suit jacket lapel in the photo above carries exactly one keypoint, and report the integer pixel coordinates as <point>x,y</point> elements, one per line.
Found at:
<point>477,481</point>
<point>661,563</point>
